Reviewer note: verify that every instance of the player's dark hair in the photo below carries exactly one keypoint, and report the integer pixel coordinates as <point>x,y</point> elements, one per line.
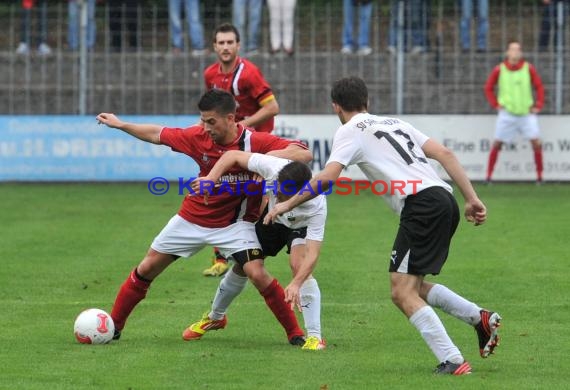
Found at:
<point>225,28</point>
<point>350,93</point>
<point>219,101</point>
<point>511,41</point>
<point>293,176</point>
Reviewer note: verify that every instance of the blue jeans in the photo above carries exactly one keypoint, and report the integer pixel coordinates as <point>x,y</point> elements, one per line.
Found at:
<point>549,18</point>
<point>253,8</point>
<point>482,23</point>
<point>416,23</point>
<point>74,24</point>
<point>26,23</point>
<point>364,16</point>
<point>195,28</point>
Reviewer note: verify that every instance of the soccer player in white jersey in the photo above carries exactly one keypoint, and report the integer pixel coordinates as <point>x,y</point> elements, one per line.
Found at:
<point>392,151</point>
<point>301,230</point>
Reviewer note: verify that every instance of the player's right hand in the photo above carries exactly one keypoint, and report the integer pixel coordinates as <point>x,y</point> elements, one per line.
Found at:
<point>108,119</point>
<point>476,212</point>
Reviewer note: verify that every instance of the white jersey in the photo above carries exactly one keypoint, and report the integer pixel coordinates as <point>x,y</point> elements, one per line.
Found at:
<point>389,153</point>
<point>311,214</point>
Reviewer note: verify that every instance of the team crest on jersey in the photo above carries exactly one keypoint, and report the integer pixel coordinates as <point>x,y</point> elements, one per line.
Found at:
<point>205,157</point>
<point>290,216</point>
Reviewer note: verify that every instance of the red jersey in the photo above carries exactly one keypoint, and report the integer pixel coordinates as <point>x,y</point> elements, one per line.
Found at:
<point>226,207</point>
<point>534,78</point>
<point>248,86</point>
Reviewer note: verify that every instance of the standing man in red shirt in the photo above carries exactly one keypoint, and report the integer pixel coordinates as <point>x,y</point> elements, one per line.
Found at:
<point>226,220</point>
<point>256,104</point>
<point>516,79</point>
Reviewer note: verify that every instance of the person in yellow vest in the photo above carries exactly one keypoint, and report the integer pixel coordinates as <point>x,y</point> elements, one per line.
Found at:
<point>516,106</point>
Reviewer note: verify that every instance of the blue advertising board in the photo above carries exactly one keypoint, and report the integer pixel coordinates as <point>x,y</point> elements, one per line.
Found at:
<point>77,148</point>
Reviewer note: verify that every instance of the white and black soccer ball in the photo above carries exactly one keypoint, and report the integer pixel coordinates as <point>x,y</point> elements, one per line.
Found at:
<point>94,326</point>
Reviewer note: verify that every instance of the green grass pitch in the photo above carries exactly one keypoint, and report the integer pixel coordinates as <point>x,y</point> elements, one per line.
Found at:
<point>67,247</point>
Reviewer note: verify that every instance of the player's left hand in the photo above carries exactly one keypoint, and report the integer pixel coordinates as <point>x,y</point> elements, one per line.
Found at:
<point>476,212</point>
<point>292,296</point>
<point>534,110</point>
<point>277,210</point>
<point>203,186</point>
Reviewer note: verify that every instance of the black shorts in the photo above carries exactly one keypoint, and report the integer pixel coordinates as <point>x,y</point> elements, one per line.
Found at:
<point>427,223</point>
<point>275,236</point>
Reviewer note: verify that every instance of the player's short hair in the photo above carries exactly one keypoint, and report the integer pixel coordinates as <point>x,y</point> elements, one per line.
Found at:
<point>511,41</point>
<point>293,176</point>
<point>217,100</point>
<point>350,93</point>
<point>225,28</point>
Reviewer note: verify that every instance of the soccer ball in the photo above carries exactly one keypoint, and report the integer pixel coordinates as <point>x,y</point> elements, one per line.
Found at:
<point>94,326</point>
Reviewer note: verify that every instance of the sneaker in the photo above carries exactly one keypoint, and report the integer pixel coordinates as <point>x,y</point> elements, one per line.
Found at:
<point>453,369</point>
<point>417,50</point>
<point>217,269</point>
<point>364,51</point>
<point>252,53</point>
<point>487,332</point>
<point>346,50</point>
<point>199,52</point>
<point>117,334</point>
<point>298,341</point>
<point>23,49</point>
<point>44,49</point>
<point>198,329</point>
<point>313,343</point>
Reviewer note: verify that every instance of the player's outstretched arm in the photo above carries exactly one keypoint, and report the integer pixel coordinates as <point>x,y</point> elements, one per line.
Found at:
<point>475,210</point>
<point>293,152</point>
<point>302,270</point>
<point>224,164</point>
<point>320,182</point>
<point>146,132</point>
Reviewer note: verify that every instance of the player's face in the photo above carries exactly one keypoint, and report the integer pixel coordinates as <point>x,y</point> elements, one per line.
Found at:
<point>217,126</point>
<point>514,52</point>
<point>226,47</point>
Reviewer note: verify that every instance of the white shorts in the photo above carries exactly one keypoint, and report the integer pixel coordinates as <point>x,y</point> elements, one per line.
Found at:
<point>509,125</point>
<point>182,238</point>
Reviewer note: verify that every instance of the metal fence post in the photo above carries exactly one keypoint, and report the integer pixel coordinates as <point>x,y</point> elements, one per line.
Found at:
<point>82,56</point>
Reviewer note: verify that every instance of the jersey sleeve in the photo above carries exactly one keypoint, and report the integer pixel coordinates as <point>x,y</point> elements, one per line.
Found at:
<point>259,87</point>
<point>178,139</point>
<point>345,148</point>
<point>266,166</point>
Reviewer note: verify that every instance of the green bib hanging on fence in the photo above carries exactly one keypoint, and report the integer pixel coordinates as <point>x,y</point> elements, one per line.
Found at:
<point>515,90</point>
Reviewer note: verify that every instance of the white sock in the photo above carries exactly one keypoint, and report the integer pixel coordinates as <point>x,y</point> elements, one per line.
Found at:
<point>311,304</point>
<point>453,304</point>
<point>430,327</point>
<point>230,287</point>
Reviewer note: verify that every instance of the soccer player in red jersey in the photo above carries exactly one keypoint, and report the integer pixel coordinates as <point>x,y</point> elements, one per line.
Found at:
<point>256,104</point>
<point>226,220</point>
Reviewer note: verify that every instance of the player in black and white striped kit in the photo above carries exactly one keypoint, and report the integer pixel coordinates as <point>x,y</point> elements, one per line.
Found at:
<point>393,151</point>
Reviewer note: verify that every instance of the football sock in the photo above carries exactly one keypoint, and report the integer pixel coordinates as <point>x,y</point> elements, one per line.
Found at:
<point>493,155</point>
<point>538,163</point>
<point>311,304</point>
<point>453,304</point>
<point>219,257</point>
<point>230,287</point>
<point>430,327</point>
<point>275,298</point>
<point>132,291</point>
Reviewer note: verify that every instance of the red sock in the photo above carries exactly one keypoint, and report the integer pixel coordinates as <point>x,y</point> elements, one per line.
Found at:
<point>131,293</point>
<point>538,163</point>
<point>275,298</point>
<point>492,160</point>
